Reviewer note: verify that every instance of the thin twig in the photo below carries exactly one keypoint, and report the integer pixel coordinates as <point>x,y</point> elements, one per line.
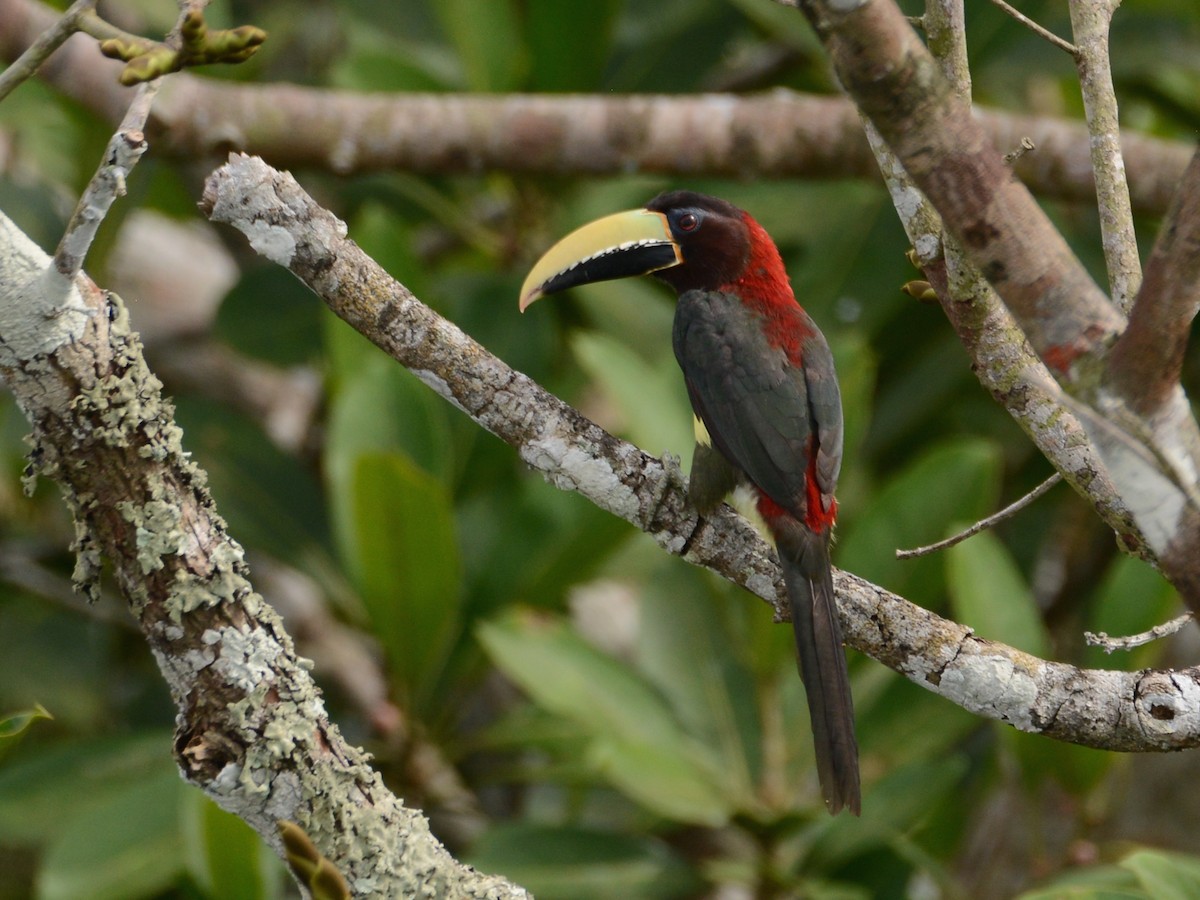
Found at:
<point>122,154</point>
<point>1091,21</point>
<point>39,51</point>
<point>1037,29</point>
<point>1026,146</point>
<point>994,519</point>
<point>1111,644</point>
<point>124,150</point>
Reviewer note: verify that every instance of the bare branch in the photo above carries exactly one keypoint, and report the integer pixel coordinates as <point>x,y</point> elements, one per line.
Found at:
<point>1090,20</point>
<point>1154,457</point>
<point>983,524</point>
<point>1003,360</point>
<point>1112,644</point>
<point>1145,364</point>
<point>896,83</point>
<point>24,66</point>
<point>1044,33</point>
<point>778,135</point>
<point>122,154</point>
<point>1114,710</point>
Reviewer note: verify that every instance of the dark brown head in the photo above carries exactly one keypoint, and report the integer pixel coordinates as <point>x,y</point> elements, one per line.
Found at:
<point>712,238</point>
<point>686,239</point>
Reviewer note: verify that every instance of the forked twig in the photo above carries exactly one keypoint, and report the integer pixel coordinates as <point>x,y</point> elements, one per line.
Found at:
<point>1111,644</point>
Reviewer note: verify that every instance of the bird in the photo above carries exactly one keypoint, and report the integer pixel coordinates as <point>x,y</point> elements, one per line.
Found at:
<point>760,377</point>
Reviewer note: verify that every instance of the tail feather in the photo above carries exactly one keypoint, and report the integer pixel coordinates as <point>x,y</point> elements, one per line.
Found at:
<point>822,664</point>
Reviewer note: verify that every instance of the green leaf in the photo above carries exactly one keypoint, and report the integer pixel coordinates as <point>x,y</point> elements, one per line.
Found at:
<point>565,674</point>
<point>407,567</point>
<point>1165,876</point>
<point>857,370</point>
<point>128,845</point>
<point>270,315</point>
<point>487,35</point>
<point>949,483</point>
<point>668,780</point>
<point>651,399</point>
<point>380,406</point>
<point>225,855</point>
<point>1091,883</point>
<point>569,42</point>
<point>39,794</point>
<point>904,723</point>
<point>988,593</point>
<point>571,863</point>
<point>692,646</point>
<point>636,741</point>
<point>15,724</point>
<point>891,808</point>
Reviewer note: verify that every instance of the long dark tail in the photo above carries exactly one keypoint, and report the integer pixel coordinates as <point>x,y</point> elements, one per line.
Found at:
<point>822,662</point>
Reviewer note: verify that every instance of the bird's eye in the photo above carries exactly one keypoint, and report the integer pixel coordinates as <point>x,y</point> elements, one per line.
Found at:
<point>688,222</point>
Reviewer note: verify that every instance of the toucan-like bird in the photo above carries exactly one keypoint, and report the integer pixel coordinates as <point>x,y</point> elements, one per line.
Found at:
<point>761,381</point>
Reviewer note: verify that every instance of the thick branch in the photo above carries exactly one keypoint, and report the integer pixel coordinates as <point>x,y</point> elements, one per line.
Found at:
<point>1002,358</point>
<point>1146,362</point>
<point>1154,448</point>
<point>897,84</point>
<point>252,729</point>
<point>780,135</point>
<point>1147,710</point>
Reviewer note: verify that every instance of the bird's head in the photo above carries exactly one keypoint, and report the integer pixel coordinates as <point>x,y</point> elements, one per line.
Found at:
<point>689,240</point>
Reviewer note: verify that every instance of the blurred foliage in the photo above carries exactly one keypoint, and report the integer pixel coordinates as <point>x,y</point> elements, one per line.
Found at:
<point>626,725</point>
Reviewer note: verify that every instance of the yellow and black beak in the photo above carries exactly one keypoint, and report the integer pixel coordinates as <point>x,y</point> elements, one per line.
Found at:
<point>635,242</point>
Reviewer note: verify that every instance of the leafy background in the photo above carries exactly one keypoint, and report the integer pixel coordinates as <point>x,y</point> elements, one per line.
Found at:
<point>571,707</point>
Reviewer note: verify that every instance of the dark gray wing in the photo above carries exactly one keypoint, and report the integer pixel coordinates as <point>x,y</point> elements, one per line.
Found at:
<point>765,414</point>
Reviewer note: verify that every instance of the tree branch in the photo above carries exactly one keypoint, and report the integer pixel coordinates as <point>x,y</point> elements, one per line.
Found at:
<point>39,50</point>
<point>1145,364</point>
<point>898,86</point>
<point>1090,21</point>
<point>1004,362</point>
<point>1151,438</point>
<point>778,135</point>
<point>252,729</point>
<point>1112,710</point>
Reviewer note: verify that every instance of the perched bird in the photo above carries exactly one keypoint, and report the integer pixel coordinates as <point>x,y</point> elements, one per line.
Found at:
<point>761,381</point>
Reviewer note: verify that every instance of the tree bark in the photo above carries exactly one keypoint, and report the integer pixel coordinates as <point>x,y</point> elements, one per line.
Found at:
<point>1110,710</point>
<point>252,730</point>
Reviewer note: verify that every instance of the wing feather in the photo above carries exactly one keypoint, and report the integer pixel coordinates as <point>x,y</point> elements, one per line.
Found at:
<point>763,412</point>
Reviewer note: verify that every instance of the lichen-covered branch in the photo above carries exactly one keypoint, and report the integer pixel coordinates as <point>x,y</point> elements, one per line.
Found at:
<point>1003,360</point>
<point>777,135</point>
<point>1145,364</point>
<point>252,729</point>
<point>1113,710</point>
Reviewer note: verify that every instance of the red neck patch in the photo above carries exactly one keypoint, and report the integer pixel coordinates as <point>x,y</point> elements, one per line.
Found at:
<point>764,287</point>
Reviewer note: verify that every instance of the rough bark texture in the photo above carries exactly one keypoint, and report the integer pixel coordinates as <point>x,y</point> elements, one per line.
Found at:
<point>898,85</point>
<point>1112,710</point>
<point>252,731</point>
<point>1153,460</point>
